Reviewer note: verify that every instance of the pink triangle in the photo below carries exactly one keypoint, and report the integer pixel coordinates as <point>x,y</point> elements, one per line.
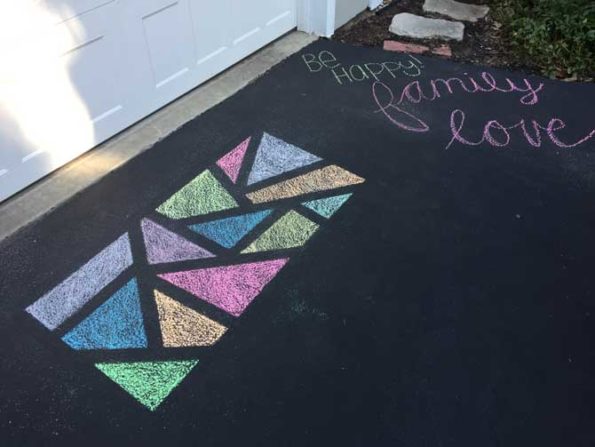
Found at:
<point>232,161</point>
<point>231,288</point>
<point>163,245</point>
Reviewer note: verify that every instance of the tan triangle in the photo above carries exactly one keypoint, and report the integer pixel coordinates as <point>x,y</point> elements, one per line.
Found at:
<point>329,177</point>
<point>182,326</point>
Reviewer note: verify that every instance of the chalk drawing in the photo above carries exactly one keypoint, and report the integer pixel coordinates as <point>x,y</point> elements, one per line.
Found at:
<point>57,305</point>
<point>329,177</point>
<point>148,382</point>
<point>498,135</point>
<point>231,163</point>
<point>328,206</point>
<point>116,324</point>
<point>347,74</point>
<point>202,195</point>
<point>290,231</point>
<point>182,326</point>
<point>275,156</point>
<point>397,109</point>
<point>231,288</point>
<point>228,232</point>
<point>163,245</point>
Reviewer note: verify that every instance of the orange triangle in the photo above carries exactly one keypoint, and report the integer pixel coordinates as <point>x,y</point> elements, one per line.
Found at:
<point>183,327</point>
<point>329,177</point>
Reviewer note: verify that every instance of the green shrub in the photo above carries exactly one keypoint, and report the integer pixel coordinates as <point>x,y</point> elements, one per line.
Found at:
<point>558,36</point>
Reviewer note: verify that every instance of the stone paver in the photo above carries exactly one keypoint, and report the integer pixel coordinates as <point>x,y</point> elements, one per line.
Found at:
<point>403,47</point>
<point>456,10</point>
<point>443,50</point>
<point>410,25</point>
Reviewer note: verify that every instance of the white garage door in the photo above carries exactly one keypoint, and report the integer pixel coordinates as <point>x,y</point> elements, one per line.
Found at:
<point>75,72</point>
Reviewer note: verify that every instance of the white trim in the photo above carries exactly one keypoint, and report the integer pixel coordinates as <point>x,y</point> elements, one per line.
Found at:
<point>316,17</point>
<point>331,17</point>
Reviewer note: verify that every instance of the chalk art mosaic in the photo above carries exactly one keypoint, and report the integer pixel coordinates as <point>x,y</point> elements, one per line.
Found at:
<point>254,218</point>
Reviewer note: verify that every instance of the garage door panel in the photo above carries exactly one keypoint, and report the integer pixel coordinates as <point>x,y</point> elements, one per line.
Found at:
<point>88,69</point>
<point>167,39</point>
<point>62,97</point>
<point>261,19</point>
<point>93,66</point>
<point>211,38</point>
<point>254,17</point>
<point>159,53</point>
<point>279,10</point>
<point>67,9</point>
<point>252,31</point>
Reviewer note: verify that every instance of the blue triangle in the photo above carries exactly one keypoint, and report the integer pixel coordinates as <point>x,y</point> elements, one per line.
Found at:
<point>275,156</point>
<point>328,206</point>
<point>116,324</point>
<point>229,231</point>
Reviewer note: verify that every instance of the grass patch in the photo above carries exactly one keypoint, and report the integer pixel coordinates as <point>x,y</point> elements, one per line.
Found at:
<point>556,36</point>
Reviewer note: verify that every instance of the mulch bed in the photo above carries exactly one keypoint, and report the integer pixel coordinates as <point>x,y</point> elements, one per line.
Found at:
<point>483,44</point>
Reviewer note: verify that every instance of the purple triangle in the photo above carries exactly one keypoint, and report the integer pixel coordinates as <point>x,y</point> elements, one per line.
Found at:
<point>165,246</point>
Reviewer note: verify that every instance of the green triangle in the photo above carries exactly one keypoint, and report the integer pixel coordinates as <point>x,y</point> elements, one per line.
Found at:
<point>328,206</point>
<point>148,382</point>
<point>203,195</point>
<point>292,230</point>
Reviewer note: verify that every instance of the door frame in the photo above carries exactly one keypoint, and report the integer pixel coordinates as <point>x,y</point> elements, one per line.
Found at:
<point>318,16</point>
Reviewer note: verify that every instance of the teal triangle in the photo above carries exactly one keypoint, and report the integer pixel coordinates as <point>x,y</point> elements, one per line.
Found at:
<point>116,324</point>
<point>229,231</point>
<point>328,206</point>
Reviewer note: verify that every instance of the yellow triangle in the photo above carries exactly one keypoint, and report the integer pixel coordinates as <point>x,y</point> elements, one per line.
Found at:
<point>329,177</point>
<point>183,327</point>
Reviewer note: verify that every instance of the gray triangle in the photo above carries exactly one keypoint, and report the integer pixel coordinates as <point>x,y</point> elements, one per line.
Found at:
<point>275,157</point>
<point>68,297</point>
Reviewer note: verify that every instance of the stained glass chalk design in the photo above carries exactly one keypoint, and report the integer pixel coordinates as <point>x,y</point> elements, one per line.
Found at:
<point>216,243</point>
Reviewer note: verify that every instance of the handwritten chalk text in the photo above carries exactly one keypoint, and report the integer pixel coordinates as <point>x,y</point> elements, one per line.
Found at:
<point>497,135</point>
<point>327,61</point>
<point>494,133</point>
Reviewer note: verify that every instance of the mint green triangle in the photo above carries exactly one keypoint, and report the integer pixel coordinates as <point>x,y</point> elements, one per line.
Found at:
<point>290,231</point>
<point>148,382</point>
<point>203,195</point>
<point>328,206</point>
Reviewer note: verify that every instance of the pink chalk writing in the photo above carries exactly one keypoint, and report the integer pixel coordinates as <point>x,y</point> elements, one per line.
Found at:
<point>415,93</point>
<point>494,133</point>
<point>498,135</point>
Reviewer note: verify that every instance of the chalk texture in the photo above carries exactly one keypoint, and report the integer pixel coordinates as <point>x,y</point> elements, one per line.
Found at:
<point>231,163</point>
<point>328,206</point>
<point>163,245</point>
<point>231,288</point>
<point>290,231</point>
<point>203,195</point>
<point>329,177</point>
<point>182,326</point>
<point>275,156</point>
<point>57,305</point>
<point>228,232</point>
<point>148,382</point>
<point>116,324</point>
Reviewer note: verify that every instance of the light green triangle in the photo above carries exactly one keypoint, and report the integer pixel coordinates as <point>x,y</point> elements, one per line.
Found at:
<point>203,195</point>
<point>148,382</point>
<point>328,206</point>
<point>292,230</point>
